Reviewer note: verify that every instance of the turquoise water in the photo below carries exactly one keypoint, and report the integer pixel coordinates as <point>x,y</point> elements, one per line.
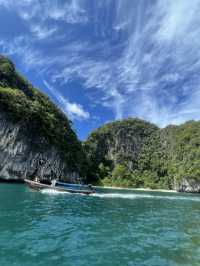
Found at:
<point>113,228</point>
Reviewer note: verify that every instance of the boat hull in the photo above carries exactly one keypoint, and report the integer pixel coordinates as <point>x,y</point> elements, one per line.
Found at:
<point>39,186</point>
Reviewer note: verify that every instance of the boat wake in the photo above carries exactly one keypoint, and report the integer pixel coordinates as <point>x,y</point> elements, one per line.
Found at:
<point>130,196</point>
<point>56,192</point>
<point>53,192</point>
<point>142,196</point>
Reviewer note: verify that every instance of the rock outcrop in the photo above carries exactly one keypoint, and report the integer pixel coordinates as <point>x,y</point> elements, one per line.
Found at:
<point>140,153</point>
<point>36,139</point>
<point>19,159</point>
<point>120,141</point>
<point>187,185</point>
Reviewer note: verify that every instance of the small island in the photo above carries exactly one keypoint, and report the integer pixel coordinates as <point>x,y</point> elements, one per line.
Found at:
<point>37,139</point>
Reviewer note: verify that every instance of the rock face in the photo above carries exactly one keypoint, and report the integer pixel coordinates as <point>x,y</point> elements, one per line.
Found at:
<point>119,141</point>
<point>187,185</point>
<point>19,159</point>
<point>36,139</point>
<point>145,155</point>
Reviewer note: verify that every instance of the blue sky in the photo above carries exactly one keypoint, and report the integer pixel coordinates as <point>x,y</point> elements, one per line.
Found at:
<point>102,60</point>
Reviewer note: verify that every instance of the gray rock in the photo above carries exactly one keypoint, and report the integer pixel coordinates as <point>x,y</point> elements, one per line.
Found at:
<point>20,160</point>
<point>187,185</point>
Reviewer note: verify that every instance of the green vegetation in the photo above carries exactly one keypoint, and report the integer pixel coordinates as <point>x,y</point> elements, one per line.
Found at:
<point>41,120</point>
<point>185,152</point>
<point>127,153</point>
<point>134,153</point>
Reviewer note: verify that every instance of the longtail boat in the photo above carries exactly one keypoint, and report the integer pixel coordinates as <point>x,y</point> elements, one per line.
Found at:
<point>61,186</point>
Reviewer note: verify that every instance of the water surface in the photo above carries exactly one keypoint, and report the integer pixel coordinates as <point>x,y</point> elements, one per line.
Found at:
<point>113,228</point>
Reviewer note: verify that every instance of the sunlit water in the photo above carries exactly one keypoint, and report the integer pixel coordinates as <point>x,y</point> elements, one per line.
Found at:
<point>112,228</point>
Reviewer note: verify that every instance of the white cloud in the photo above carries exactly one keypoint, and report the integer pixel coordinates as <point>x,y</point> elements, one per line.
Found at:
<point>176,18</point>
<point>41,31</point>
<point>95,75</point>
<point>73,110</point>
<point>171,77</point>
<point>22,48</point>
<point>71,12</point>
<point>39,15</point>
<point>154,76</point>
<point>163,48</point>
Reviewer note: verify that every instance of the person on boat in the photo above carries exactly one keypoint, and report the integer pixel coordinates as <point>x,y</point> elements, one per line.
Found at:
<point>36,179</point>
<point>53,183</point>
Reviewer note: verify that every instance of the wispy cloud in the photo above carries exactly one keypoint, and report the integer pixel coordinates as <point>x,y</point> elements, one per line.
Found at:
<point>73,110</point>
<point>41,31</point>
<point>41,16</point>
<point>70,12</point>
<point>21,47</point>
<point>137,58</point>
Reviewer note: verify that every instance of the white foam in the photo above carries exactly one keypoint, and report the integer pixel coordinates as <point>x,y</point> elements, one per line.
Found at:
<point>54,192</point>
<point>141,196</point>
<point>114,195</point>
<point>130,196</point>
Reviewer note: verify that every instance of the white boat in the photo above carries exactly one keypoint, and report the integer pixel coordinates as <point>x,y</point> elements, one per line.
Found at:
<point>61,186</point>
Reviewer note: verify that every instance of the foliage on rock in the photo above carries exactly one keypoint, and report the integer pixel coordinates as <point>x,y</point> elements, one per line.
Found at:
<point>134,153</point>
<point>42,122</point>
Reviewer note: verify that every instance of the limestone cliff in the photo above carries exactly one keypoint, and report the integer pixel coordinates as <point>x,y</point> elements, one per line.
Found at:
<point>36,139</point>
<point>19,159</point>
<point>135,153</point>
<point>119,142</point>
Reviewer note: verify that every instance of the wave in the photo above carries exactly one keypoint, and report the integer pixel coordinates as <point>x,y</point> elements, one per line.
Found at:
<point>142,196</point>
<point>130,196</point>
<point>53,192</point>
<point>56,192</point>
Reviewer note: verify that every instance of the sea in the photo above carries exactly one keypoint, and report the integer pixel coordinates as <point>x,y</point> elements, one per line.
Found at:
<point>109,228</point>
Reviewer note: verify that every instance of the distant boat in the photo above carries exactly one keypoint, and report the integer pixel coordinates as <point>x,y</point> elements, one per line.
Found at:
<point>61,186</point>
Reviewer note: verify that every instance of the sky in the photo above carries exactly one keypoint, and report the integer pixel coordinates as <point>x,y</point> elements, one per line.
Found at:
<point>105,60</point>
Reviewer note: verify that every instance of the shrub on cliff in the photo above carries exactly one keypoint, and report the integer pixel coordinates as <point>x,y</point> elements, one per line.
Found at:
<point>138,154</point>
<point>39,117</point>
